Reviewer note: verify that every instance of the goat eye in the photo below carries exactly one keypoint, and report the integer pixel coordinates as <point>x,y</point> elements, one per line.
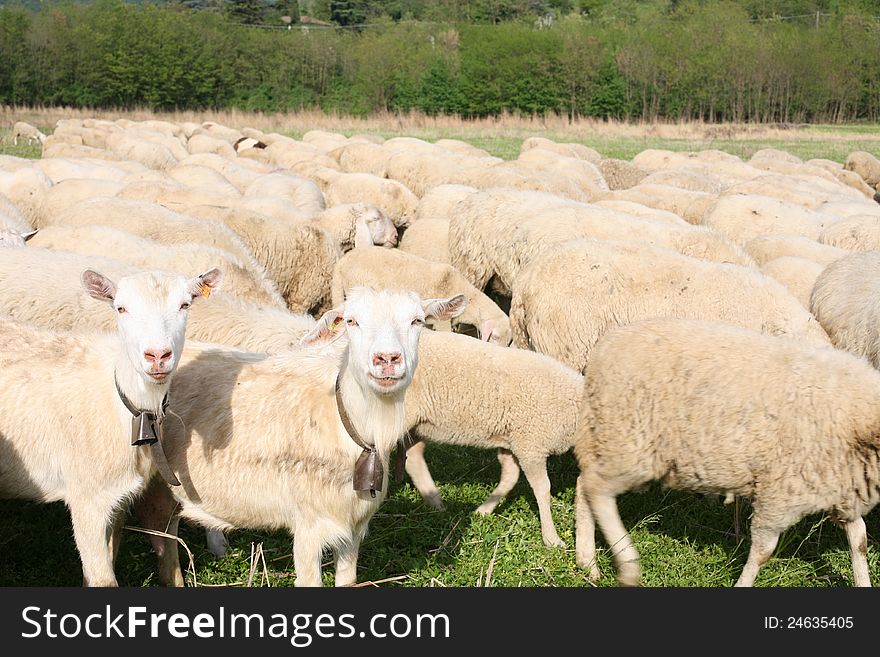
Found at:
<point>121,310</point>
<point>185,306</point>
<point>418,322</point>
<point>351,322</point>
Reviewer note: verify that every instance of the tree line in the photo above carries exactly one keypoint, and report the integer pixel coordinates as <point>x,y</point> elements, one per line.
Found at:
<point>713,60</point>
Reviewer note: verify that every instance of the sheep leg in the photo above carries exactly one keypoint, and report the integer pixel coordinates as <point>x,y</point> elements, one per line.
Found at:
<point>307,552</point>
<point>116,533</point>
<point>156,509</point>
<point>417,469</point>
<point>218,545</point>
<point>536,473</point>
<point>92,529</point>
<point>626,558</point>
<point>857,536</point>
<point>509,477</point>
<point>585,533</point>
<point>764,540</point>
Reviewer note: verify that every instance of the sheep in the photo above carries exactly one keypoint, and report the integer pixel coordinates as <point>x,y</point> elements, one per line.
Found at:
<point>14,239</point>
<point>195,175</point>
<point>25,188</point>
<point>528,412</point>
<point>866,165</point>
<point>570,149</point>
<point>299,257</point>
<point>392,197</point>
<point>146,253</point>
<point>744,217</point>
<point>859,233</point>
<point>770,247</point>
<point>687,179</point>
<point>714,408</point>
<point>378,269</point>
<point>342,221</point>
<point>798,275</point>
<point>428,238</point>
<point>11,217</point>
<point>582,173</point>
<point>204,143</point>
<point>237,172</point>
<point>26,131</point>
<point>642,211</point>
<point>78,447</point>
<point>62,195</point>
<point>496,233</point>
<point>462,148</point>
<point>59,169</point>
<point>620,174</point>
<point>606,284</point>
<point>364,158</point>
<point>692,206</point>
<point>154,222</point>
<point>239,437</point>
<point>844,301</point>
<point>303,195</point>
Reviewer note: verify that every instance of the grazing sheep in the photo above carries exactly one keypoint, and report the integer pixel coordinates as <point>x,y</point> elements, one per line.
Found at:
<point>342,222</point>
<point>428,238</point>
<point>860,233</point>
<point>204,143</point>
<point>302,194</point>
<point>770,247</point>
<point>239,437</point>
<point>207,178</point>
<point>607,284</point>
<point>798,275</point>
<point>713,408</point>
<point>497,232</point>
<point>298,256</point>
<point>78,447</point>
<point>743,217</point>
<point>864,164</point>
<point>145,254</point>
<point>26,131</point>
<point>392,197</point>
<point>569,149</point>
<point>62,195</point>
<point>379,269</point>
<point>25,188</point>
<point>620,174</point>
<point>467,392</point>
<point>846,301</point>
<point>11,217</point>
<point>154,222</point>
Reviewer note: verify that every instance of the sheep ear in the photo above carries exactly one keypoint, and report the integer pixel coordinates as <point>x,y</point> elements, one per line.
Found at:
<point>328,329</point>
<point>486,330</point>
<point>27,236</point>
<point>98,286</point>
<point>445,308</point>
<point>362,237</point>
<point>204,285</point>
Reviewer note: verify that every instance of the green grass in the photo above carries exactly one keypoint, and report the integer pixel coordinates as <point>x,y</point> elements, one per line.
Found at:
<point>684,540</point>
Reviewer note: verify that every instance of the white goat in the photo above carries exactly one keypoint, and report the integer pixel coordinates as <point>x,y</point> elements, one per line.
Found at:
<point>271,445</point>
<point>66,433</point>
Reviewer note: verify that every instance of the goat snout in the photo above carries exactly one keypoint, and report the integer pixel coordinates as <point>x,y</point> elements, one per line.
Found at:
<point>158,358</point>
<point>387,359</point>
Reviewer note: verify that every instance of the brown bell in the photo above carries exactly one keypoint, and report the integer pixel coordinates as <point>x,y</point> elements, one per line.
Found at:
<point>368,472</point>
<point>143,429</point>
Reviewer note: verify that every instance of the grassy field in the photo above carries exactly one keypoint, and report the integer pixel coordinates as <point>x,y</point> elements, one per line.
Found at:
<point>684,540</point>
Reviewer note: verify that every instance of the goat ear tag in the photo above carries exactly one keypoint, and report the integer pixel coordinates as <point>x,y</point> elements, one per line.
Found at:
<point>368,472</point>
<point>205,290</point>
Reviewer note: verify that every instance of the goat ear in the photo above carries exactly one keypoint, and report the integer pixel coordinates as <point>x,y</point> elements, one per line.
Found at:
<point>27,236</point>
<point>98,286</point>
<point>362,237</point>
<point>486,330</point>
<point>204,285</point>
<point>328,329</point>
<point>445,308</point>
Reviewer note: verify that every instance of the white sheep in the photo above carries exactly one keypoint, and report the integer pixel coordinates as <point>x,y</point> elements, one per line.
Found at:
<point>378,269</point>
<point>391,196</point>
<point>302,194</point>
<point>569,149</point>
<point>78,447</point>
<point>620,174</point>
<point>25,188</point>
<point>846,301</point>
<point>238,439</point>
<point>798,275</point>
<point>607,284</point>
<point>712,408</point>
<point>342,221</point>
<point>22,130</point>
<point>471,393</point>
<point>145,253</point>
<point>770,247</point>
<point>12,238</point>
<point>497,232</point>
<point>859,233</point>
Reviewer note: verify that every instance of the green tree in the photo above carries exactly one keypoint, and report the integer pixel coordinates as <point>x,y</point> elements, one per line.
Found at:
<point>249,12</point>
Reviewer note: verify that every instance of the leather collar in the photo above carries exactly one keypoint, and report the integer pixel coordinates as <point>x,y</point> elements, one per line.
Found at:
<point>146,429</point>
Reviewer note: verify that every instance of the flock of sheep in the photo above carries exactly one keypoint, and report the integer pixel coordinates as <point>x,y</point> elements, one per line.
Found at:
<point>692,318</point>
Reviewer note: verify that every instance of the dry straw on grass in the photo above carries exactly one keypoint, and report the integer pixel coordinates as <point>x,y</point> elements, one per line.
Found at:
<point>417,122</point>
